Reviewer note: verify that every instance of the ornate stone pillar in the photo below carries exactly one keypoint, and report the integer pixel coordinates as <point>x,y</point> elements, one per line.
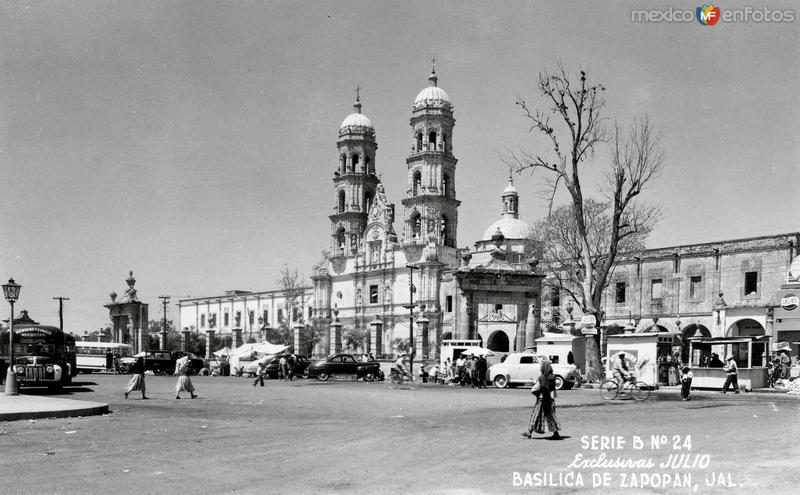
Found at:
<point>185,341</point>
<point>335,342</point>
<point>376,337</point>
<point>298,332</point>
<point>421,338</point>
<point>209,340</point>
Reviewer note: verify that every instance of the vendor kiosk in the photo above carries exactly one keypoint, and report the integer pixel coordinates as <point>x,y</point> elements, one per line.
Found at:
<point>642,351</point>
<point>557,346</point>
<point>750,354</point>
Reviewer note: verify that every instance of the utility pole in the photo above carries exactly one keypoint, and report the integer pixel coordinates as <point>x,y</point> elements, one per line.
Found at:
<point>411,306</point>
<point>61,311</point>
<point>164,301</point>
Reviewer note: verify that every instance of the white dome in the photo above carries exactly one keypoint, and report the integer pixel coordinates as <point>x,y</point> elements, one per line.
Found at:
<point>356,119</point>
<point>512,228</point>
<point>431,93</point>
<point>510,188</point>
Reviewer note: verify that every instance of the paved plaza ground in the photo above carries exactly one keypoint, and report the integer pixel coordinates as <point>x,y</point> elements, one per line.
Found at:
<point>353,437</point>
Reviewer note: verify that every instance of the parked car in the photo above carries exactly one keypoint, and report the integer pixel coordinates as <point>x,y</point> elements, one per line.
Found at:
<point>301,363</point>
<point>344,364</point>
<point>250,368</point>
<point>163,362</point>
<point>521,368</point>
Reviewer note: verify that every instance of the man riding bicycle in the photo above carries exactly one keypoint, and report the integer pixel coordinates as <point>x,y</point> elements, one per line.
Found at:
<point>621,372</point>
<point>401,366</point>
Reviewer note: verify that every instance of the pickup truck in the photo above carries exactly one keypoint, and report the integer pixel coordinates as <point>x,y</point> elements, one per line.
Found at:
<point>521,368</point>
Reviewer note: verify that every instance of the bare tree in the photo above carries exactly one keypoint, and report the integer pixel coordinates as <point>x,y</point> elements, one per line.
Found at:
<point>293,291</point>
<point>597,230</point>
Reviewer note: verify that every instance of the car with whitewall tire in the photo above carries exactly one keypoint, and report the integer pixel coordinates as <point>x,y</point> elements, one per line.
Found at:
<point>524,368</point>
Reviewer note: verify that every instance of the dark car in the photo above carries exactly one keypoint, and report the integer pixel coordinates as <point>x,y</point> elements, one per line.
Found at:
<point>163,362</point>
<point>301,363</point>
<point>344,364</point>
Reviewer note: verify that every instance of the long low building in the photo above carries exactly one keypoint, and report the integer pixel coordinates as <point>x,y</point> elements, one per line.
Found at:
<point>243,315</point>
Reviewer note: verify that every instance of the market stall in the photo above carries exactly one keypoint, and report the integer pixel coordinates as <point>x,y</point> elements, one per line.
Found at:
<point>558,346</point>
<point>643,351</point>
<point>750,354</point>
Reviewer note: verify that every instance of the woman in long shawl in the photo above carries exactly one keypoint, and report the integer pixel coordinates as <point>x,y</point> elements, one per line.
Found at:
<point>137,381</point>
<point>183,367</point>
<point>543,417</point>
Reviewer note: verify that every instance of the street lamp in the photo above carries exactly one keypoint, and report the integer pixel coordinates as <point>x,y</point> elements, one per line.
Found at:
<point>411,306</point>
<point>11,292</point>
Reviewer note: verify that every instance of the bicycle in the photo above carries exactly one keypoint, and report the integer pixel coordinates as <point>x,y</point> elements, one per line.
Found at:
<point>397,379</point>
<point>638,390</point>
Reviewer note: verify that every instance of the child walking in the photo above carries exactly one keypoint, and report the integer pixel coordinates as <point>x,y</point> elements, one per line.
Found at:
<point>686,383</point>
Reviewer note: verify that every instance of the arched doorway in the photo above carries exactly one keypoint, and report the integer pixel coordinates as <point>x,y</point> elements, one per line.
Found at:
<point>498,341</point>
<point>744,328</point>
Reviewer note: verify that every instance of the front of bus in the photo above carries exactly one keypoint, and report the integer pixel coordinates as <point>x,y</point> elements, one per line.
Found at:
<point>39,355</point>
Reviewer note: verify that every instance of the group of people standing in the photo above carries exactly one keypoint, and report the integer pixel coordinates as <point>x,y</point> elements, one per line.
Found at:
<point>183,368</point>
<point>468,370</point>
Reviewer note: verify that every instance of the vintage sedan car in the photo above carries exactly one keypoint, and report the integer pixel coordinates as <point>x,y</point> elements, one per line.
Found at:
<point>344,364</point>
<point>301,363</point>
<point>521,368</point>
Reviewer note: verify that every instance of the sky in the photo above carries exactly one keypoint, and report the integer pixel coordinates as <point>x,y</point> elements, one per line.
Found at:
<point>194,142</point>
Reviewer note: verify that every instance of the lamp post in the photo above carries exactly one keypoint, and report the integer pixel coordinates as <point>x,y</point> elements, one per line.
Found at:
<point>11,292</point>
<point>411,306</point>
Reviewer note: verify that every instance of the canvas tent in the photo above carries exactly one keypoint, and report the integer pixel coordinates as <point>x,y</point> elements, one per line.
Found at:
<point>258,349</point>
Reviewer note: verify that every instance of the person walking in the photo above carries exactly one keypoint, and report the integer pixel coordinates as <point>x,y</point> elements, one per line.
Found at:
<point>282,365</point>
<point>481,371</point>
<point>733,371</point>
<point>686,383</point>
<point>786,363</point>
<point>261,370</point>
<point>290,362</point>
<point>183,367</point>
<point>543,417</point>
<point>137,380</point>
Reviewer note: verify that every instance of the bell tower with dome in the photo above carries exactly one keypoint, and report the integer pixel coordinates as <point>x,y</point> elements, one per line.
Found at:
<point>431,207</point>
<point>354,181</point>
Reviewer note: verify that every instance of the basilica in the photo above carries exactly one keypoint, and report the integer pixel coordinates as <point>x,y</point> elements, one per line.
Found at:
<point>414,286</point>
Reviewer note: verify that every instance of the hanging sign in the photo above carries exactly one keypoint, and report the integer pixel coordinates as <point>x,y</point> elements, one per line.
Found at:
<point>790,302</point>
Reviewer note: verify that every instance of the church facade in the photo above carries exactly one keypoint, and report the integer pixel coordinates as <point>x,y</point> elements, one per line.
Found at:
<point>392,278</point>
<point>416,286</point>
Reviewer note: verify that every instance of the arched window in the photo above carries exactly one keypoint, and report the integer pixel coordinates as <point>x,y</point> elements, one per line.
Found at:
<point>368,201</point>
<point>432,141</point>
<point>341,201</point>
<point>416,225</point>
<point>443,229</point>
<point>444,142</point>
<point>343,164</point>
<point>369,166</point>
<point>419,142</point>
<point>417,183</point>
<point>354,164</point>
<point>445,184</point>
<point>340,240</point>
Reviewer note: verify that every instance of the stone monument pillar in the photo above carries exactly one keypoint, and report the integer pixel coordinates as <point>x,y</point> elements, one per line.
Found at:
<point>209,340</point>
<point>421,338</point>
<point>376,337</point>
<point>298,334</point>
<point>335,341</point>
<point>185,341</point>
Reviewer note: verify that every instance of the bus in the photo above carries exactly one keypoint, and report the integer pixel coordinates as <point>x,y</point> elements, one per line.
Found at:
<point>43,355</point>
<point>92,356</point>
